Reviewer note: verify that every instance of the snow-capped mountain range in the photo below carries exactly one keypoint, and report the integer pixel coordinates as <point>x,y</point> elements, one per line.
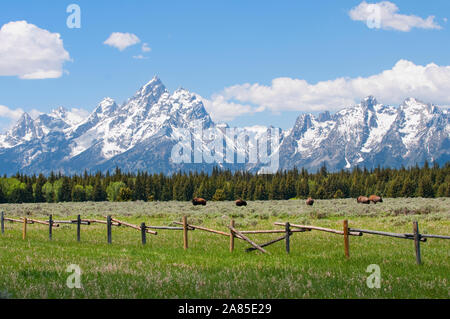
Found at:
<point>141,133</point>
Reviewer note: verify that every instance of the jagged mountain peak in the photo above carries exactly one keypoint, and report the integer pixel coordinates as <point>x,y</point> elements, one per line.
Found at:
<point>324,116</point>
<point>145,98</point>
<point>303,122</point>
<point>24,118</point>
<point>182,93</point>
<point>140,133</point>
<point>24,129</point>
<point>24,123</point>
<point>59,111</point>
<point>413,105</point>
<point>106,106</point>
<point>369,101</point>
<point>412,102</point>
<point>107,100</point>
<point>154,87</point>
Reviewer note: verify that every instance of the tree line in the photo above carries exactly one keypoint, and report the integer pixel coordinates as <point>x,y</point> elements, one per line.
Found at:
<point>426,181</point>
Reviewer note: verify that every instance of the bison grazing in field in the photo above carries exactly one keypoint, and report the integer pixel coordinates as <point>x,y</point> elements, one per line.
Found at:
<point>199,201</point>
<point>241,202</point>
<point>375,199</point>
<point>309,201</point>
<point>363,200</point>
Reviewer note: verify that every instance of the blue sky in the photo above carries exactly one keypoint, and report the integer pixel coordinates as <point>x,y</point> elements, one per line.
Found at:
<point>207,46</point>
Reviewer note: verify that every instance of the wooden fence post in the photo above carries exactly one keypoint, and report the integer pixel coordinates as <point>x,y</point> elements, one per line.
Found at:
<point>231,236</point>
<point>2,217</point>
<point>143,233</point>
<point>417,241</point>
<point>288,234</point>
<point>78,228</point>
<point>346,242</point>
<point>185,232</point>
<point>50,226</point>
<point>24,231</point>
<point>108,228</point>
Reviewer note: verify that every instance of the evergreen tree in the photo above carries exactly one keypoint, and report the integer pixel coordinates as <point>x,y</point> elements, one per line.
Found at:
<point>28,192</point>
<point>320,193</point>
<point>78,194</point>
<point>409,188</point>
<point>99,195</point>
<point>303,188</point>
<point>442,190</point>
<point>139,188</point>
<point>425,188</point>
<point>394,188</point>
<point>38,193</point>
<point>65,192</point>
<point>17,196</point>
<point>407,182</point>
<point>290,191</point>
<point>2,196</point>
<point>166,194</point>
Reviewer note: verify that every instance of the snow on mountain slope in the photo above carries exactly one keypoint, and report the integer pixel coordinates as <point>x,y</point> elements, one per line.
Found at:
<point>141,133</point>
<point>416,116</point>
<point>23,131</point>
<point>384,118</point>
<point>369,134</point>
<point>152,110</point>
<point>313,136</point>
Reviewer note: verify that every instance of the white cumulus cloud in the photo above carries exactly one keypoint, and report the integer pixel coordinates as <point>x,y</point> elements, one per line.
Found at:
<point>146,48</point>
<point>385,15</point>
<point>221,109</point>
<point>8,113</point>
<point>8,116</point>
<point>29,52</point>
<point>121,40</point>
<point>430,83</point>
<point>139,57</point>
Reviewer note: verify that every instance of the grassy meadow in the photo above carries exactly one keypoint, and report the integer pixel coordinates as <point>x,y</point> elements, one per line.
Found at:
<point>315,268</point>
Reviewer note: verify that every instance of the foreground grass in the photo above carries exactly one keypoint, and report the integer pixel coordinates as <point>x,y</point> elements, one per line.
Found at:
<point>316,267</point>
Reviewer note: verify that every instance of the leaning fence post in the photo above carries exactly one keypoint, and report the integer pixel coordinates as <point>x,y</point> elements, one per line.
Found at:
<point>24,231</point>
<point>288,234</point>
<point>417,241</point>
<point>231,236</point>
<point>78,228</point>
<point>143,233</point>
<point>50,226</point>
<point>346,242</point>
<point>185,232</point>
<point>2,217</point>
<point>108,228</point>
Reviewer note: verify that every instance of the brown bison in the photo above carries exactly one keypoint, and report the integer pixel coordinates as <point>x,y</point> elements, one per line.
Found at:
<point>199,201</point>
<point>375,199</point>
<point>241,202</point>
<point>363,200</point>
<point>309,201</point>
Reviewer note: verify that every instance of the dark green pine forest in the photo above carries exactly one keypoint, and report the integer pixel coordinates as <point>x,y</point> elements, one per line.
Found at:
<point>426,181</point>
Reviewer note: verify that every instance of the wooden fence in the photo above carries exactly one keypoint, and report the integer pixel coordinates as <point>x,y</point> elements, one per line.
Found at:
<point>288,230</point>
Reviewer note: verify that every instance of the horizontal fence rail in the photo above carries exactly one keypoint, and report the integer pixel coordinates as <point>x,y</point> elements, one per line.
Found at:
<point>288,231</point>
<point>328,230</point>
<point>382,233</point>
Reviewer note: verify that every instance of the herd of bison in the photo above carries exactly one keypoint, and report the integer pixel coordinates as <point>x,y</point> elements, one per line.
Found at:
<point>361,200</point>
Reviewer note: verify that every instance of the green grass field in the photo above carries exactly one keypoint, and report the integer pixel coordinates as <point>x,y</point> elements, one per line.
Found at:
<point>315,268</point>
